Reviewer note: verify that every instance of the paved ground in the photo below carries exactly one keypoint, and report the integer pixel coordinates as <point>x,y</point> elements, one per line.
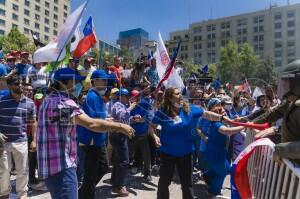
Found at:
<point>141,190</point>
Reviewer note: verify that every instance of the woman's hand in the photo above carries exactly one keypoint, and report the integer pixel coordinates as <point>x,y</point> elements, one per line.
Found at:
<point>157,141</point>
<point>126,130</point>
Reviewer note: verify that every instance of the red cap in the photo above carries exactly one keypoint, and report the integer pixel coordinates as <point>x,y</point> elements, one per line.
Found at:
<point>134,93</point>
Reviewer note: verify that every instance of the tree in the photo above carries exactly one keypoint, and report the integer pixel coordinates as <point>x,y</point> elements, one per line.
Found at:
<point>189,68</point>
<point>126,54</point>
<point>15,40</point>
<point>265,71</point>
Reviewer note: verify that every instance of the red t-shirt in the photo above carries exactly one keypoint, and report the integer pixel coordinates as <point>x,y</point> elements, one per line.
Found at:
<point>118,70</point>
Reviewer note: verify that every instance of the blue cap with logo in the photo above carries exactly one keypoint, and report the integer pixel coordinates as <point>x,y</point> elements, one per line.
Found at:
<point>213,102</point>
<point>67,74</point>
<point>99,74</point>
<point>123,91</point>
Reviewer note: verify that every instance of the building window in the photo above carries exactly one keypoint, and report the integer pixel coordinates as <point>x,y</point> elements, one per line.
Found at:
<point>225,25</point>
<point>258,19</point>
<point>46,37</point>
<point>197,29</point>
<point>261,37</point>
<point>26,21</point>
<point>65,7</point>
<point>291,53</point>
<point>255,38</point>
<point>278,63</point>
<point>26,12</point>
<point>55,9</point>
<point>27,3</point>
<point>55,25</point>
<point>54,32</point>
<point>291,24</point>
<point>2,32</point>
<point>15,17</point>
<point>277,25</point>
<point>38,1</point>
<point>65,15</point>
<point>2,22</point>
<point>211,27</point>
<point>37,17</point>
<point>277,16</point>
<point>255,29</point>
<point>47,12</point>
<point>37,8</point>
<point>277,35</point>
<point>15,26</point>
<point>46,21</point>
<point>291,33</point>
<point>56,1</point>
<point>2,2</point>
<point>278,44</point>
<point>277,53</point>
<point>241,22</point>
<point>291,14</point>
<point>46,29</point>
<point>291,44</point>
<point>2,12</point>
<point>26,30</point>
<point>15,7</point>
<point>55,16</point>
<point>37,26</point>
<point>47,4</point>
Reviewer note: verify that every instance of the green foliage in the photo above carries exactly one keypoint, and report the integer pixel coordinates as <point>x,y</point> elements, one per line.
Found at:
<point>126,55</point>
<point>189,68</point>
<point>15,40</point>
<point>236,64</point>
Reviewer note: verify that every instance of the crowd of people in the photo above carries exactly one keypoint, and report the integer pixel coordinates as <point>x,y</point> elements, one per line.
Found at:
<point>67,128</point>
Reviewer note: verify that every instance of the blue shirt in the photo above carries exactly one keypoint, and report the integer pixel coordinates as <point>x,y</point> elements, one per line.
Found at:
<point>176,137</point>
<point>94,107</point>
<point>14,116</point>
<point>3,70</point>
<point>22,69</point>
<point>142,110</point>
<point>203,125</point>
<point>216,142</point>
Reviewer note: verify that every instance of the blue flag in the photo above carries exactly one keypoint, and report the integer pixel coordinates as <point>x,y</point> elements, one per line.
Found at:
<point>205,69</point>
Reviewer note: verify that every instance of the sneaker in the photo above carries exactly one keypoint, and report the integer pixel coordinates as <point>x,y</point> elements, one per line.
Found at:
<point>148,178</point>
<point>121,191</point>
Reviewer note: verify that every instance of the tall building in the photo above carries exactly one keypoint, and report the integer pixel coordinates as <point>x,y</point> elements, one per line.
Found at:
<point>133,39</point>
<point>44,17</point>
<point>272,33</point>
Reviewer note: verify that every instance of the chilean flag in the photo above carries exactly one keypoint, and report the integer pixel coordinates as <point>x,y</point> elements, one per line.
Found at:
<point>87,41</point>
<point>240,186</point>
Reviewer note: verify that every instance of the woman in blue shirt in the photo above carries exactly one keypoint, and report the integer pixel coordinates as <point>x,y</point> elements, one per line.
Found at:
<point>216,149</point>
<point>175,142</point>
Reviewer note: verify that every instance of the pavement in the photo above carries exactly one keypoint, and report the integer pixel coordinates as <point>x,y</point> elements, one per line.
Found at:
<point>141,190</point>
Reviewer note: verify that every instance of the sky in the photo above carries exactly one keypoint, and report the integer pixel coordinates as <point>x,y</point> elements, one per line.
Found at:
<point>112,16</point>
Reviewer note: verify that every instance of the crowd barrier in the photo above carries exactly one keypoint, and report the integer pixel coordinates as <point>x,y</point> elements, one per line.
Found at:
<point>268,179</point>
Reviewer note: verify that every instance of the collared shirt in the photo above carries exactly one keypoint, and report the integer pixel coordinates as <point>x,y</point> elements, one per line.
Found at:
<point>120,113</point>
<point>56,134</point>
<point>14,117</point>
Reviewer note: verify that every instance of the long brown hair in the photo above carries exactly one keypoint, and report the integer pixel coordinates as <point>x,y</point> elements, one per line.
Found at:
<point>168,106</point>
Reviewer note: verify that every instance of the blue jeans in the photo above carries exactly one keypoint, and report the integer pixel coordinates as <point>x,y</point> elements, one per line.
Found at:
<point>120,159</point>
<point>63,185</point>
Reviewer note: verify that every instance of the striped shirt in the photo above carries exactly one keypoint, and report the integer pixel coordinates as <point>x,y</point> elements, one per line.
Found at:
<point>14,117</point>
<point>56,135</point>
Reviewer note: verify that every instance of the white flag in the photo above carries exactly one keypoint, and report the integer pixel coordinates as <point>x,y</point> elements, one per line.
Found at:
<point>48,53</point>
<point>256,93</point>
<point>162,62</point>
<point>68,29</point>
<point>77,37</point>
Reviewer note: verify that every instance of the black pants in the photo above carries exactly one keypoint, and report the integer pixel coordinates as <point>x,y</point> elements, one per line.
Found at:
<point>95,167</point>
<point>32,162</point>
<point>141,144</point>
<point>184,167</point>
<point>120,159</point>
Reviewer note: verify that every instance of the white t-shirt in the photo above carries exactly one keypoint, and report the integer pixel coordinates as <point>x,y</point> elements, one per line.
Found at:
<point>38,77</point>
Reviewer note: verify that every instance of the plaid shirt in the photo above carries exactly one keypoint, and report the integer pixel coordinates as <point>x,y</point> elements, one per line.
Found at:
<point>56,135</point>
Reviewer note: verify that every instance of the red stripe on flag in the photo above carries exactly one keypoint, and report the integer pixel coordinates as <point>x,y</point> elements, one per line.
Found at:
<point>84,45</point>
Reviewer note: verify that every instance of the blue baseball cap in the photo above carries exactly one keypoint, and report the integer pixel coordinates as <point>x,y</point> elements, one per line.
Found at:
<point>123,91</point>
<point>67,74</point>
<point>213,102</point>
<point>99,74</point>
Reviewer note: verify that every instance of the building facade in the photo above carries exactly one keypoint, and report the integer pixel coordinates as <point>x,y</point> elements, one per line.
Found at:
<point>133,39</point>
<point>45,17</point>
<point>272,33</point>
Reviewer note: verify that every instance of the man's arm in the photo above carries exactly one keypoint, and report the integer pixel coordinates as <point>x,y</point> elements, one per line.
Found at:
<point>289,150</point>
<point>99,125</point>
<point>273,114</point>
